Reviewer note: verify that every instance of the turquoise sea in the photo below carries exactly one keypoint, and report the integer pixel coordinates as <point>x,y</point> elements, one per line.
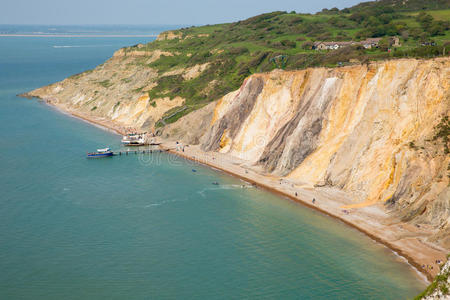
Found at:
<point>147,227</point>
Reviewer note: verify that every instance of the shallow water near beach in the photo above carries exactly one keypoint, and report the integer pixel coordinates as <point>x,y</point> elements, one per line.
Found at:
<point>147,226</point>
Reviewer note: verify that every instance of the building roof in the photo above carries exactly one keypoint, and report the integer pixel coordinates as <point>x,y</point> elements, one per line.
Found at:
<point>371,40</point>
<point>334,43</point>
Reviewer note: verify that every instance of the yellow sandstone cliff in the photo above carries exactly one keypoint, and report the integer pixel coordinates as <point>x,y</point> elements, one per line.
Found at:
<point>366,129</point>
<point>369,130</point>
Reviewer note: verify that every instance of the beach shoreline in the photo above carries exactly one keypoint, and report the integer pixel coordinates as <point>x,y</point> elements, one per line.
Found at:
<point>414,261</point>
<point>403,239</point>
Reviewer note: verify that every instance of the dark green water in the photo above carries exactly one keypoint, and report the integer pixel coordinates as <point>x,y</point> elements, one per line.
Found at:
<point>148,227</point>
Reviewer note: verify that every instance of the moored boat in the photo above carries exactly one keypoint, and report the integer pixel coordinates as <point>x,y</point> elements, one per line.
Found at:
<point>134,139</point>
<point>100,153</point>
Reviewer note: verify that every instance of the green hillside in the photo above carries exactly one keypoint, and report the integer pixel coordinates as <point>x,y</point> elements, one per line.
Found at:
<point>285,40</point>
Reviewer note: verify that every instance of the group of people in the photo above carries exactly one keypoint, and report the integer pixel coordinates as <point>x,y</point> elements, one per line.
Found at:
<point>430,267</point>
<point>179,146</point>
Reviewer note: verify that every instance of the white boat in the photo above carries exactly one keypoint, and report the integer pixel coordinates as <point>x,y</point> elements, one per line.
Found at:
<point>134,139</point>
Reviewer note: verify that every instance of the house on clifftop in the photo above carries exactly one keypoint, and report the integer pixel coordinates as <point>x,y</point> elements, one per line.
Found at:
<point>331,45</point>
<point>368,44</point>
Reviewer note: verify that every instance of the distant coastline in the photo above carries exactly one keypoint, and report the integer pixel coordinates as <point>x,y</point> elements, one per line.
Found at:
<point>79,35</point>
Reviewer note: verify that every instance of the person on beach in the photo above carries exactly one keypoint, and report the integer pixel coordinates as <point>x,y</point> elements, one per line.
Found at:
<point>296,194</point>
<point>314,200</point>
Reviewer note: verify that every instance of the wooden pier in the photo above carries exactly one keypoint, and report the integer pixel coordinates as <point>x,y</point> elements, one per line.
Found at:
<point>126,152</point>
<point>130,152</point>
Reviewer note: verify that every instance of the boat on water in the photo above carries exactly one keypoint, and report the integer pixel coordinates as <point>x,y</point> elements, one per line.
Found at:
<point>100,153</point>
<point>135,139</point>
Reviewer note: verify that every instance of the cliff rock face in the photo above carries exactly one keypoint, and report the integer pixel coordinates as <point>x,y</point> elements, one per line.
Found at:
<point>370,130</point>
<point>190,129</point>
<point>117,91</point>
<point>365,129</point>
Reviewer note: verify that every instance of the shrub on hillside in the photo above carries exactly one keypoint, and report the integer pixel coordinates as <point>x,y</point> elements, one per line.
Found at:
<point>307,45</point>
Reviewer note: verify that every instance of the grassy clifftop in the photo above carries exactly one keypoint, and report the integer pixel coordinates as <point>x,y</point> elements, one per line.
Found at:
<point>198,65</point>
<point>231,52</point>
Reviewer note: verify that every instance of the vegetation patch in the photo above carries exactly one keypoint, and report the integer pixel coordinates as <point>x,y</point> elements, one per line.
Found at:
<point>105,83</point>
<point>442,133</point>
<point>116,105</point>
<point>138,90</point>
<point>440,283</point>
<point>286,40</point>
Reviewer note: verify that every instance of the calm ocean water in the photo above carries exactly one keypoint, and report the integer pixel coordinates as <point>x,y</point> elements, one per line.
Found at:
<point>135,227</point>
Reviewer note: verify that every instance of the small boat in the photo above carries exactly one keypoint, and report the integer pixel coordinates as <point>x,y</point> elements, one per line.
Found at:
<point>100,153</point>
<point>134,139</point>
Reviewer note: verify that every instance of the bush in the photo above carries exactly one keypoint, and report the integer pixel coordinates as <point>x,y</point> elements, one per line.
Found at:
<point>424,51</point>
<point>294,21</point>
<point>307,45</point>
<point>236,51</point>
<point>284,44</point>
<point>288,43</point>
<point>384,44</point>
<point>258,59</point>
<point>415,33</point>
<point>327,36</point>
<point>244,71</point>
<point>105,83</point>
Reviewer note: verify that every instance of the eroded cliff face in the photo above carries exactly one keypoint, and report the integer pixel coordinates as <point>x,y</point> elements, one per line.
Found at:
<point>117,91</point>
<point>365,129</point>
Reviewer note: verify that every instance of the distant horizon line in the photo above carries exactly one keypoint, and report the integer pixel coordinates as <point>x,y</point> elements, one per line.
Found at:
<point>79,35</point>
<point>24,24</point>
